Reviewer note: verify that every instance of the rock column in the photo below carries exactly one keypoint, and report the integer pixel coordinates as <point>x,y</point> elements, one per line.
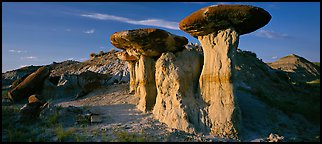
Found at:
<point>145,79</point>
<point>217,81</point>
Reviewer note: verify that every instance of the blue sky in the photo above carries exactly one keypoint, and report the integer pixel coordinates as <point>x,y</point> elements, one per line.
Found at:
<point>43,32</point>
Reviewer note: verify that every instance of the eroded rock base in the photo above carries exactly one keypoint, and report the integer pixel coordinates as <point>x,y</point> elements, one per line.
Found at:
<point>145,81</point>
<point>177,78</point>
<point>217,82</point>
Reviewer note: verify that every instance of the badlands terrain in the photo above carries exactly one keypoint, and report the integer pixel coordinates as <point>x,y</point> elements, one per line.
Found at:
<point>91,101</point>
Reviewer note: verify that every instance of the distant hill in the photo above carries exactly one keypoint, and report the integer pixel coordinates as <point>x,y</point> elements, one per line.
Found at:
<point>298,68</point>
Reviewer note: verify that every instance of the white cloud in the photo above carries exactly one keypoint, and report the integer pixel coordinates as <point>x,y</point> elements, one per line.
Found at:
<point>68,30</point>
<point>270,34</point>
<point>274,57</point>
<point>224,3</point>
<point>89,31</point>
<point>195,2</point>
<point>147,22</point>
<point>70,59</point>
<point>15,51</point>
<point>29,58</point>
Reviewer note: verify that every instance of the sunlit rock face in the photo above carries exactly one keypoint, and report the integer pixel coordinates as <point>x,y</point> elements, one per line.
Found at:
<point>147,45</point>
<point>177,77</point>
<point>217,82</point>
<point>131,61</point>
<point>145,80</point>
<point>218,28</point>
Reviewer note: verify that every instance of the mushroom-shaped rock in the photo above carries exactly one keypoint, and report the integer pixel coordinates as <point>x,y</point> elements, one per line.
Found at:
<point>131,61</point>
<point>243,18</point>
<point>218,29</point>
<point>148,42</point>
<point>30,85</point>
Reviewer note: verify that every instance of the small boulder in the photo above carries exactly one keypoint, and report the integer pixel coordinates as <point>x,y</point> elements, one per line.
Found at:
<point>32,109</point>
<point>275,138</point>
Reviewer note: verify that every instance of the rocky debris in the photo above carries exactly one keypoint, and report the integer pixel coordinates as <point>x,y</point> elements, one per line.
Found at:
<point>177,77</point>
<point>297,68</point>
<point>146,44</point>
<point>275,138</point>
<point>32,109</point>
<point>243,18</point>
<point>218,29</point>
<point>30,85</point>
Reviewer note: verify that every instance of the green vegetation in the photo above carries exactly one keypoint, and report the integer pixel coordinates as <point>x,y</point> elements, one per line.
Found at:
<point>4,94</point>
<point>36,131</point>
<point>123,136</point>
<point>14,131</point>
<point>317,63</point>
<point>64,135</point>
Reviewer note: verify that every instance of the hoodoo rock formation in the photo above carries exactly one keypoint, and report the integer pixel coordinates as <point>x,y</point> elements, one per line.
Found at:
<point>147,45</point>
<point>218,28</point>
<point>177,77</point>
<point>131,61</point>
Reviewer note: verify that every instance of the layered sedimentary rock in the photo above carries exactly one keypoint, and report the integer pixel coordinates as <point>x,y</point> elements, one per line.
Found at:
<point>178,103</point>
<point>147,45</point>
<point>217,81</point>
<point>30,85</point>
<point>218,29</point>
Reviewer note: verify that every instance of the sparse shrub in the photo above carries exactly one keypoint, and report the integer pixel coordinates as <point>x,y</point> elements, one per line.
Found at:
<point>64,135</point>
<point>124,136</point>
<point>92,55</point>
<point>250,53</point>
<point>101,53</point>
<point>4,94</point>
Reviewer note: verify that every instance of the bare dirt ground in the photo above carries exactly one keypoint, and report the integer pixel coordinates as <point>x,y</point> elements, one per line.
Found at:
<point>120,116</point>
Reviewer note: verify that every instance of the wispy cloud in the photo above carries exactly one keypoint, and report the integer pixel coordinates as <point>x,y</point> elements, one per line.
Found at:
<point>274,57</point>
<point>195,2</point>
<point>89,31</point>
<point>224,3</point>
<point>68,30</point>
<point>271,34</point>
<point>147,22</point>
<point>15,51</point>
<point>70,59</point>
<point>29,58</point>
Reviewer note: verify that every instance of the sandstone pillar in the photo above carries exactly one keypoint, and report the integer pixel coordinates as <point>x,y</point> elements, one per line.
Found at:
<point>217,81</point>
<point>146,88</point>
